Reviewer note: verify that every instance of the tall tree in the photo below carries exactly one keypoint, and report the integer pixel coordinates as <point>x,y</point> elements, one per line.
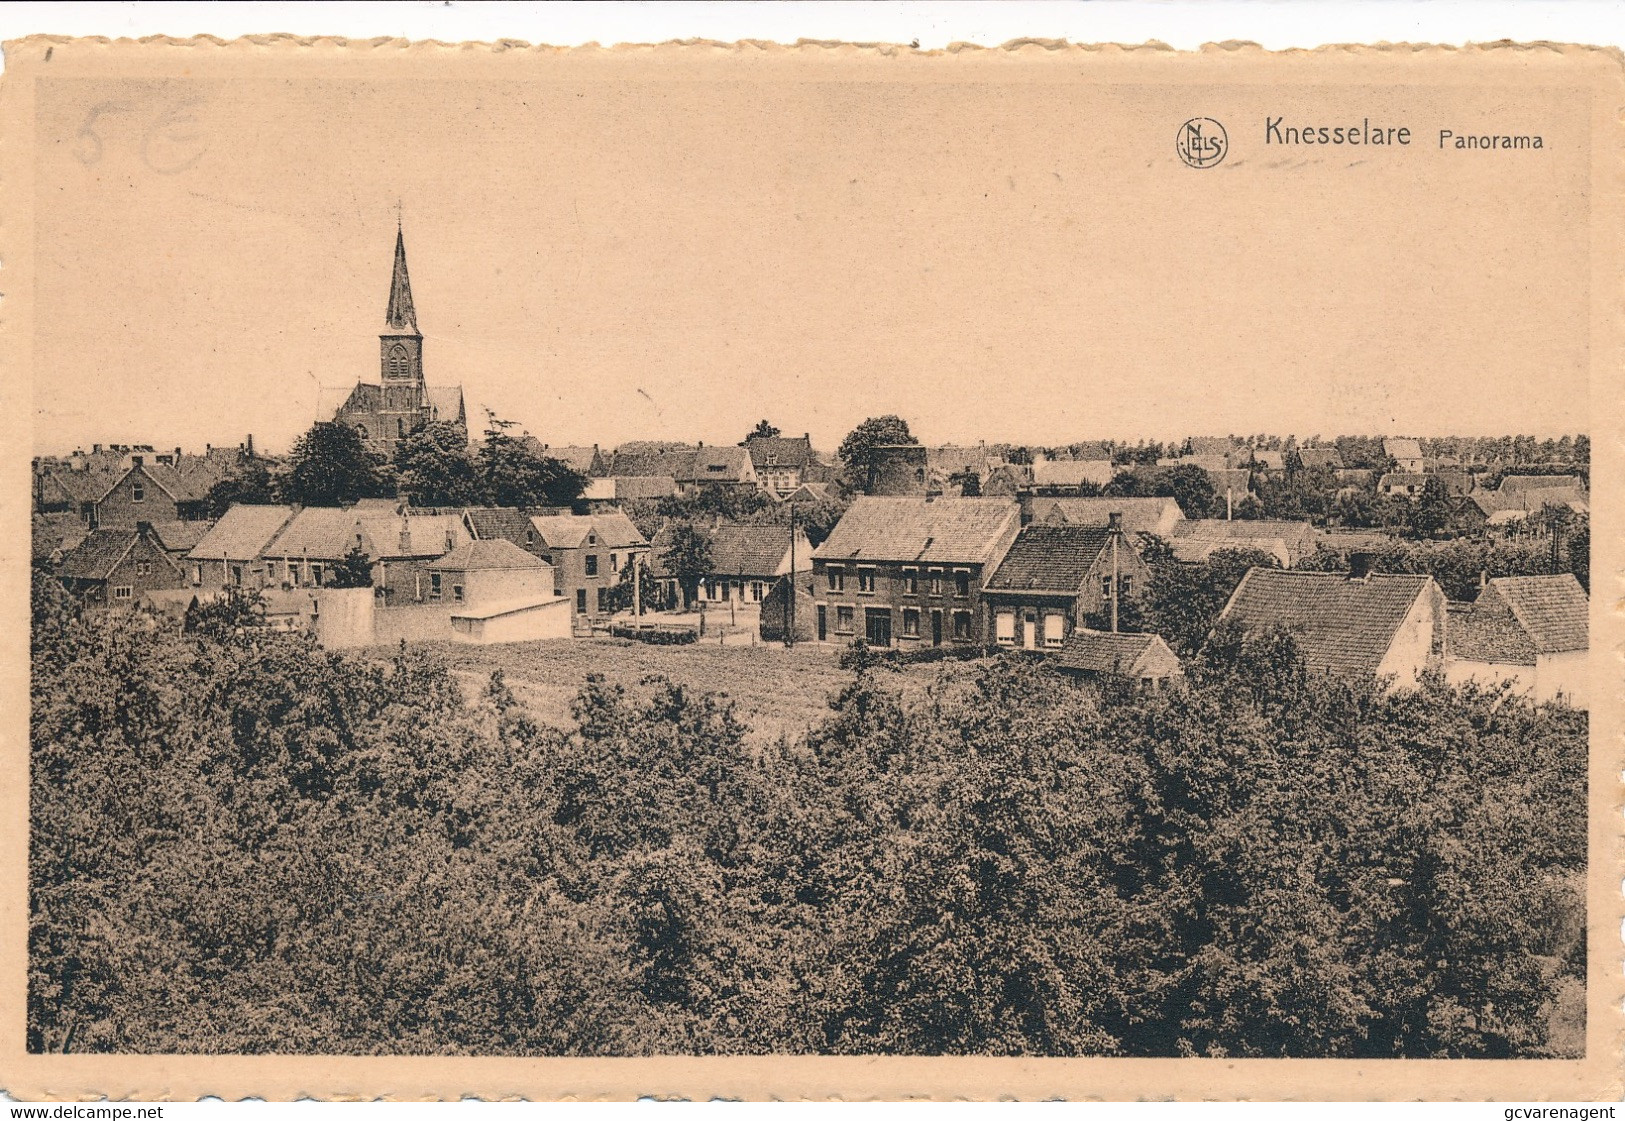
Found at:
<point>330,465</point>
<point>762,431</point>
<point>250,484</point>
<point>688,558</point>
<point>857,451</point>
<point>435,467</point>
<point>512,473</point>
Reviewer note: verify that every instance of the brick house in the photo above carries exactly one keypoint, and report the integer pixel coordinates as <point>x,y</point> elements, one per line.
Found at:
<point>781,462</point>
<point>398,547</point>
<point>229,554</point>
<point>1157,516</point>
<point>747,560</point>
<point>114,567</point>
<point>1379,623</point>
<point>1054,576</point>
<point>909,571</point>
<point>589,554</point>
<point>1144,659</point>
<point>154,492</point>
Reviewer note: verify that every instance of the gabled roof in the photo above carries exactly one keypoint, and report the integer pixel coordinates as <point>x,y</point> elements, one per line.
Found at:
<point>1213,445</point>
<point>1341,624</point>
<point>630,488</point>
<point>779,451</point>
<point>1512,483</point>
<point>562,531</point>
<point>720,465</point>
<point>1480,635</point>
<point>949,459</point>
<point>1269,460</point>
<point>580,459</point>
<point>102,551</point>
<point>1071,472</point>
<point>1127,655</point>
<point>809,492</point>
<point>1048,557</point>
<point>1207,461</point>
<point>675,461</point>
<point>1320,457</point>
<point>55,531</point>
<point>490,555</point>
<point>493,522</point>
<point>180,537</point>
<point>616,530</point>
<point>1552,610</point>
<point>1140,515</point>
<point>748,550</point>
<point>321,532</point>
<point>242,533</point>
<point>1400,447</point>
<point>1403,479</point>
<point>445,402</point>
<point>391,536</point>
<point>939,530</point>
<point>1516,503</point>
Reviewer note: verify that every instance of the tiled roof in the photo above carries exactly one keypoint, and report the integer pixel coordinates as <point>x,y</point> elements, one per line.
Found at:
<point>488,555</point>
<point>720,465</point>
<point>1270,460</point>
<point>1402,448</point>
<point>1238,480</point>
<point>675,461</point>
<point>616,530</point>
<point>1140,515</point>
<point>1047,557</point>
<point>1207,461</point>
<point>1512,483</point>
<point>1518,502</point>
<point>445,402</point>
<point>562,531</point>
<point>1403,479</point>
<point>493,522</point>
<point>779,451</point>
<point>1320,457</point>
<point>1479,635</point>
<point>1212,445</point>
<point>1105,652</point>
<point>389,536</point>
<point>1071,472</point>
<point>633,487</point>
<point>809,492</point>
<point>1297,537</point>
<point>945,530</point>
<point>180,537</point>
<point>1341,624</point>
<point>241,533</point>
<point>323,532</point>
<point>1552,609</point>
<point>55,531</point>
<point>98,554</point>
<point>949,459</point>
<point>577,458</point>
<point>748,550</point>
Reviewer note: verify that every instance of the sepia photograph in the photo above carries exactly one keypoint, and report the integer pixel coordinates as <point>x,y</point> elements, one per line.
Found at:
<point>788,554</point>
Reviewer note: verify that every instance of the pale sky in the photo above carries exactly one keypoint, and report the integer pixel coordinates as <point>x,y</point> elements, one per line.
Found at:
<point>678,256</point>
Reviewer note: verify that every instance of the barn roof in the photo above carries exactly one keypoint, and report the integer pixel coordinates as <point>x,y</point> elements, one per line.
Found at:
<point>1047,557</point>
<point>748,550</point>
<point>242,533</point>
<point>1553,610</point>
<point>1108,652</point>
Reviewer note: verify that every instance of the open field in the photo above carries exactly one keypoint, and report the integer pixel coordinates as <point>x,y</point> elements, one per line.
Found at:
<point>777,690</point>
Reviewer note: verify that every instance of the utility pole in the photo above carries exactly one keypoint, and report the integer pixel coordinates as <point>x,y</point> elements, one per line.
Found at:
<point>1116,530</point>
<point>637,588</point>
<point>790,597</point>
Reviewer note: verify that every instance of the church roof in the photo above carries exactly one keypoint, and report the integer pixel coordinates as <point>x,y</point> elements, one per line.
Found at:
<point>400,318</point>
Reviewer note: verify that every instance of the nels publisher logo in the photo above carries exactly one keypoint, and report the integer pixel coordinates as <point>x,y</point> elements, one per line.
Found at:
<point>1202,142</point>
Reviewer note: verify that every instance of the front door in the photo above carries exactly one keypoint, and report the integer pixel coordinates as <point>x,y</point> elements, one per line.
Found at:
<point>1029,629</point>
<point>823,628</point>
<point>877,626</point>
<point>936,628</point>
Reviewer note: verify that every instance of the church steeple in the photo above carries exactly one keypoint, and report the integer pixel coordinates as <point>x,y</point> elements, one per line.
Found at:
<point>400,318</point>
<point>400,352</point>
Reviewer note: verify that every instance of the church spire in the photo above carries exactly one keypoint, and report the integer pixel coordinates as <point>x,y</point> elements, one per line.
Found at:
<point>400,318</point>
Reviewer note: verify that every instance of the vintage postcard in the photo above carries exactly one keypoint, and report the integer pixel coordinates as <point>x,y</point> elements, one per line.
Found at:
<point>811,571</point>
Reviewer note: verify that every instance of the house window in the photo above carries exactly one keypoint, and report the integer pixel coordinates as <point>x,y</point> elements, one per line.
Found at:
<point>962,625</point>
<point>1105,589</point>
<point>143,568</point>
<point>138,493</point>
<point>457,593</point>
<point>1004,628</point>
<point>962,584</point>
<point>837,578</point>
<point>197,574</point>
<point>434,585</point>
<point>530,537</point>
<point>936,581</point>
<point>1054,629</point>
<point>591,561</point>
<point>581,601</point>
<point>603,601</point>
<point>911,581</point>
<point>123,591</point>
<point>843,620</point>
<point>614,562</point>
<point>237,575</point>
<point>316,574</point>
<point>1125,585</point>
<point>911,622</point>
<point>270,572</point>
<point>756,591</point>
<point>293,573</point>
<point>866,581</point>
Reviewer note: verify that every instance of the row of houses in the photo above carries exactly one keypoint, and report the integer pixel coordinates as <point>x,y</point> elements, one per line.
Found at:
<point>916,572</point>
<point>120,485</point>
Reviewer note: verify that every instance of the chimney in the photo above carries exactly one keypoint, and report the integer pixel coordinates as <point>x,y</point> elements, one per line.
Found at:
<point>1114,522</point>
<point>95,449</point>
<point>1483,579</point>
<point>143,528</point>
<point>1360,566</point>
<point>406,537</point>
<point>250,445</point>
<point>136,461</point>
<point>177,453</point>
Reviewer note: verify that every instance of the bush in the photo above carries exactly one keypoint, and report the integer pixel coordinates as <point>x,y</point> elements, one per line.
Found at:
<point>656,635</point>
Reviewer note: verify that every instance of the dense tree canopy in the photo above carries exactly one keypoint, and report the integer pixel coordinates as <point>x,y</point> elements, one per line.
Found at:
<point>244,844</point>
<point>857,451</point>
<point>330,466</point>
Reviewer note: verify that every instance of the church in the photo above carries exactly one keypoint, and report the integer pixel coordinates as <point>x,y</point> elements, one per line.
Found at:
<point>385,411</point>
